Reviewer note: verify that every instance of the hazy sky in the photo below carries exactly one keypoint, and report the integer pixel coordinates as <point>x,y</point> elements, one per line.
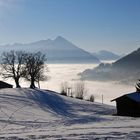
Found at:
<point>90,24</point>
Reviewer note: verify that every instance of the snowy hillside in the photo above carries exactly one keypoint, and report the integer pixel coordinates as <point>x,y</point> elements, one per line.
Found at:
<point>39,114</point>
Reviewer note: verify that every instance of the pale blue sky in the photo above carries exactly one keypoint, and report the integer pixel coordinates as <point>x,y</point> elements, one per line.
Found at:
<point>90,24</point>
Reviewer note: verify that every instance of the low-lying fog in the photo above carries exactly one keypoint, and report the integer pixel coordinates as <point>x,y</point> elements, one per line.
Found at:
<point>60,73</point>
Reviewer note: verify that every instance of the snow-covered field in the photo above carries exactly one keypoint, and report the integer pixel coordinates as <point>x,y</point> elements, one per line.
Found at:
<point>27,114</point>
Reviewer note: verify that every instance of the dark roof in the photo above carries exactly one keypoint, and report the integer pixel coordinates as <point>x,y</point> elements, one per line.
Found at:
<point>1,82</point>
<point>135,96</point>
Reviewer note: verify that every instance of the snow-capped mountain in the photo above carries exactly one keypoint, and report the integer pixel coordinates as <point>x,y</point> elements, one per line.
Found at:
<point>58,50</point>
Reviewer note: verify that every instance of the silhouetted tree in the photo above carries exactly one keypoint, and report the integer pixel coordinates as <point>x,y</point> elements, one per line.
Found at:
<point>34,68</point>
<point>12,65</point>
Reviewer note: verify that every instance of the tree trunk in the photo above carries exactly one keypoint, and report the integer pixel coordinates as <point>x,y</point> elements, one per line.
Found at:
<point>17,83</point>
<point>32,83</point>
<point>38,84</point>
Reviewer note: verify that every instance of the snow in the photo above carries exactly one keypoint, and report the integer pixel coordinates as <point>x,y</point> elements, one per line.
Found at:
<point>42,114</point>
<point>134,96</point>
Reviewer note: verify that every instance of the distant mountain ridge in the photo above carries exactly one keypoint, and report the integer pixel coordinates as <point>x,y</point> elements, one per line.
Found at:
<point>126,69</point>
<point>58,50</point>
<point>130,61</point>
<point>106,55</point>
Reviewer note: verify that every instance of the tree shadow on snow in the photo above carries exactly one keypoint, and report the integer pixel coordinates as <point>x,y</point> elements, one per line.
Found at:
<point>50,102</point>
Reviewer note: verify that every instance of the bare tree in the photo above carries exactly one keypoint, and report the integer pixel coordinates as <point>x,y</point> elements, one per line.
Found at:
<point>80,90</point>
<point>12,65</point>
<point>64,88</point>
<point>92,98</point>
<point>34,68</point>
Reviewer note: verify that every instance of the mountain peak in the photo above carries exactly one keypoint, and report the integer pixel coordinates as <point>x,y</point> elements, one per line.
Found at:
<point>59,37</point>
<point>59,50</point>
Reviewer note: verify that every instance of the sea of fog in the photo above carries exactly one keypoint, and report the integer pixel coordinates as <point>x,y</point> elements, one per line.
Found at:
<point>59,73</point>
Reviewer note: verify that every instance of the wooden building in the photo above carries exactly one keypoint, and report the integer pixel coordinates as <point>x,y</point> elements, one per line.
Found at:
<point>128,104</point>
<point>5,85</point>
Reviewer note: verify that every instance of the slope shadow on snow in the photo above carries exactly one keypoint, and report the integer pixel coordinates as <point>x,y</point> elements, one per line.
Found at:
<point>50,102</point>
<point>87,113</point>
<point>72,111</point>
<point>59,105</point>
<point>94,109</point>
